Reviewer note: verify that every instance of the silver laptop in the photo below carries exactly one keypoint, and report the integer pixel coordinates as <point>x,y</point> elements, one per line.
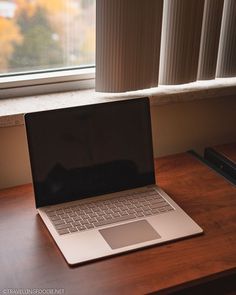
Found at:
<point>94,180</point>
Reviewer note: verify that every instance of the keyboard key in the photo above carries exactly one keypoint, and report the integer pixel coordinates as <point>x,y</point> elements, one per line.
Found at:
<point>88,211</point>
<point>134,202</point>
<point>169,208</point>
<point>155,201</point>
<point>122,207</point>
<point>115,214</point>
<point>162,209</point>
<point>100,218</point>
<point>77,218</point>
<point>62,226</point>
<point>130,211</point>
<point>155,211</point>
<point>73,229</point>
<point>147,213</point>
<point>64,215</point>
<point>145,208</point>
<point>125,213</point>
<point>149,198</point>
<point>51,213</point>
<point>78,211</point>
<point>60,211</point>
<point>63,231</point>
<point>139,210</point>
<point>115,210</point>
<point>72,214</point>
<point>109,211</point>
<point>81,228</point>
<point>88,226</point>
<point>92,215</point>
<point>107,217</point>
<point>83,216</point>
<point>57,222</point>
<point>76,223</point>
<point>96,209</point>
<point>55,217</point>
<point>139,214</point>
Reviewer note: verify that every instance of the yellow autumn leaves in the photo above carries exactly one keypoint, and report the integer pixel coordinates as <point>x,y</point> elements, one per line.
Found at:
<point>61,14</point>
<point>9,36</point>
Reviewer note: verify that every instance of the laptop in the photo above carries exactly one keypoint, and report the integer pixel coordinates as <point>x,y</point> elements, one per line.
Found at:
<point>94,180</point>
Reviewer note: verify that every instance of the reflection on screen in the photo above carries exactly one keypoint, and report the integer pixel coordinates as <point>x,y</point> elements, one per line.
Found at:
<point>90,150</point>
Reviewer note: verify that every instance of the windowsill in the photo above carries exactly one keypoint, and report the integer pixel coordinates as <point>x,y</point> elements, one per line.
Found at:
<point>11,110</point>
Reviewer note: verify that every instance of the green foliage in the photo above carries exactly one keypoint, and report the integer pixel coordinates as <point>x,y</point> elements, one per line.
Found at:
<point>40,47</point>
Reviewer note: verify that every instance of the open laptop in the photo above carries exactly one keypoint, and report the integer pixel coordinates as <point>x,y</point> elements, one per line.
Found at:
<point>94,180</point>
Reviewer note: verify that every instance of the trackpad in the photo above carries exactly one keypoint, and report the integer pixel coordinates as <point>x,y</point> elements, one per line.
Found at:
<point>129,234</point>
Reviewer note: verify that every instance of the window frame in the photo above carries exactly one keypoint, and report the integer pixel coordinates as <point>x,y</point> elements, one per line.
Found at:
<point>46,81</point>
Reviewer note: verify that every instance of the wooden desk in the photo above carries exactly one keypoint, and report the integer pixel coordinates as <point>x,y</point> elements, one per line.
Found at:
<point>29,257</point>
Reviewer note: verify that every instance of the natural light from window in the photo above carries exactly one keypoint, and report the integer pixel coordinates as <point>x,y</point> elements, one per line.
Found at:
<point>46,35</point>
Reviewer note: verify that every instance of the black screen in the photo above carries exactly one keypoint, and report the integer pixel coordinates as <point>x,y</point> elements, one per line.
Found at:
<point>90,150</point>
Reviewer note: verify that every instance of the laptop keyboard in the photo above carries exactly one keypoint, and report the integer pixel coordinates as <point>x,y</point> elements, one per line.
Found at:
<point>94,214</point>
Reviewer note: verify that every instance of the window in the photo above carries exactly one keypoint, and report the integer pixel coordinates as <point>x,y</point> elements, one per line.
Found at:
<point>139,44</point>
<point>42,36</point>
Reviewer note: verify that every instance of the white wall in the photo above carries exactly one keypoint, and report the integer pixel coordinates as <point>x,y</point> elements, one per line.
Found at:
<point>193,125</point>
<point>177,127</point>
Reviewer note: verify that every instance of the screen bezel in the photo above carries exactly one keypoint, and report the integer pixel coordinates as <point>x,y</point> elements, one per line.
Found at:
<point>30,116</point>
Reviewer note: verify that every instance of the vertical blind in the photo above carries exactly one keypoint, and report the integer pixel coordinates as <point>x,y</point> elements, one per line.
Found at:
<point>226,63</point>
<point>128,36</point>
<point>181,33</point>
<point>210,39</point>
<point>143,43</point>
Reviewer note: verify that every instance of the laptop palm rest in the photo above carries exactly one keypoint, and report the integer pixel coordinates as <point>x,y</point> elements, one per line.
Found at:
<point>129,234</point>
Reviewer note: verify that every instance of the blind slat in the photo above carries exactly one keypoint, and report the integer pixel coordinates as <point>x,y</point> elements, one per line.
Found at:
<point>210,39</point>
<point>127,44</point>
<point>181,32</point>
<point>226,63</point>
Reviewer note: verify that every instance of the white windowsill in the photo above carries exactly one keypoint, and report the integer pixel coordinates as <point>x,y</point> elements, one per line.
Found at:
<point>11,110</point>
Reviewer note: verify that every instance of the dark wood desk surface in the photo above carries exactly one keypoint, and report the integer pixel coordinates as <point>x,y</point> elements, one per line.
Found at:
<point>29,257</point>
<point>227,150</point>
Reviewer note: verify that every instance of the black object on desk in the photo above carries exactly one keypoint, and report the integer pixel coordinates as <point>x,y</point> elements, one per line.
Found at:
<point>221,163</point>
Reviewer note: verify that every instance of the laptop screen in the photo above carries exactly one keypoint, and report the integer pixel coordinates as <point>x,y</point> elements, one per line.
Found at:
<point>90,150</point>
